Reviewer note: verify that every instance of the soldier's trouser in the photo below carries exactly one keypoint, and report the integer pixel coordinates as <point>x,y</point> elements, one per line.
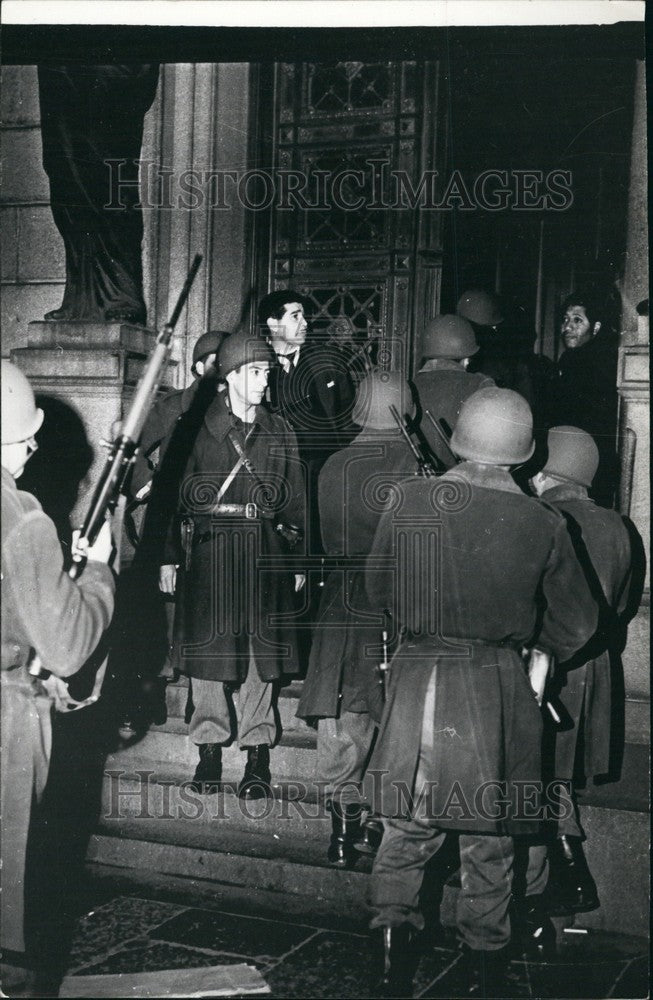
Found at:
<point>486,880</point>
<point>211,721</point>
<point>343,748</point>
<point>486,863</point>
<point>26,747</point>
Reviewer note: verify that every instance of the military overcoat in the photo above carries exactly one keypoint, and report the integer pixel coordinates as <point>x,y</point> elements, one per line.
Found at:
<point>481,570</point>
<point>442,388</point>
<point>236,588</point>
<point>63,621</point>
<point>353,485</point>
<point>602,544</point>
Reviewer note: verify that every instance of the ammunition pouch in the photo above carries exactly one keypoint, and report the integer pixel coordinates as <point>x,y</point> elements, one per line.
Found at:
<point>291,534</point>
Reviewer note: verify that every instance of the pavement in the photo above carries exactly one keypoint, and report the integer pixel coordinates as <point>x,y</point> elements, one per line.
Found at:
<point>136,923</point>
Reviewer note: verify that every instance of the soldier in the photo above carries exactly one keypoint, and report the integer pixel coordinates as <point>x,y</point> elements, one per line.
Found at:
<point>165,445</point>
<point>342,689</point>
<point>45,612</point>
<point>602,545</point>
<point>310,387</point>
<point>167,410</point>
<point>483,570</point>
<point>242,492</point>
<point>443,382</point>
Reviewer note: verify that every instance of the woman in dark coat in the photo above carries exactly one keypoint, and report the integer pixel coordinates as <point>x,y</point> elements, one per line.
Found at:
<point>242,490</point>
<point>585,393</point>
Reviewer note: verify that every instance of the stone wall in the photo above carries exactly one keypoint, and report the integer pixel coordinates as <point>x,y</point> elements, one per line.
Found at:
<point>33,269</point>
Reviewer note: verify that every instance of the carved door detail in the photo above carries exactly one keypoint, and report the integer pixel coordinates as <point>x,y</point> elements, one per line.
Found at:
<point>348,136</point>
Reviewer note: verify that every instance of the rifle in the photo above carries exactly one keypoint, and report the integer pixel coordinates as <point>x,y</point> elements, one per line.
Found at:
<point>425,466</point>
<point>442,434</point>
<point>122,451</point>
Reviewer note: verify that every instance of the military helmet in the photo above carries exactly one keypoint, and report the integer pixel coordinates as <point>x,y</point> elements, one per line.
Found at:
<point>208,343</point>
<point>573,455</point>
<point>495,427</point>
<point>21,418</point>
<point>375,394</point>
<point>480,307</point>
<point>448,337</point>
<point>240,349</point>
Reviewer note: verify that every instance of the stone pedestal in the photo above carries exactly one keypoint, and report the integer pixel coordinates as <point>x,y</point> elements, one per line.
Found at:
<point>87,370</point>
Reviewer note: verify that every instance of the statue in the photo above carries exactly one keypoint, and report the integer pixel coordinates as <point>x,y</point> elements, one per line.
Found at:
<point>89,116</point>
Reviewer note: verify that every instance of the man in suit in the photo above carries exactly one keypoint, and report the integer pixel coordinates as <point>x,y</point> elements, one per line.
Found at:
<point>310,387</point>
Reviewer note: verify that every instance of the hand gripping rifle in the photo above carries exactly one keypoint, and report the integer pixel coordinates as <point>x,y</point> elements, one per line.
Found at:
<point>122,451</point>
<point>424,464</point>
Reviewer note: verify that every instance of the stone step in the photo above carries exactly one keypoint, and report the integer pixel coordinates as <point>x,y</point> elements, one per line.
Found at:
<point>239,858</point>
<point>297,811</point>
<point>293,757</point>
<point>211,850</point>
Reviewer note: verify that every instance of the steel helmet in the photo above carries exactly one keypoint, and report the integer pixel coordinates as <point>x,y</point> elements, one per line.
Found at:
<point>375,394</point>
<point>573,455</point>
<point>21,418</point>
<point>480,307</point>
<point>495,427</point>
<point>242,349</point>
<point>448,337</point>
<point>208,343</point>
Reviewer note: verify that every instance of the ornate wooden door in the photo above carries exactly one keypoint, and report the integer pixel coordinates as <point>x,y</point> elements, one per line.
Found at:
<point>350,229</point>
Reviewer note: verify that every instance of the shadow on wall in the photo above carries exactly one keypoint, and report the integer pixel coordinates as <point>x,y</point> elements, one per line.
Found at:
<point>57,470</point>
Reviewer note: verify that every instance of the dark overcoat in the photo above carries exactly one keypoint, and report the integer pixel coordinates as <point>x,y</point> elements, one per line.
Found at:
<point>353,486</point>
<point>316,397</point>
<point>442,388</point>
<point>602,545</point>
<point>63,621</point>
<point>236,589</point>
<point>585,395</point>
<point>481,570</point>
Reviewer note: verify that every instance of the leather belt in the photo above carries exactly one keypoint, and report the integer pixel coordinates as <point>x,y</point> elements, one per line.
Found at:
<point>250,511</point>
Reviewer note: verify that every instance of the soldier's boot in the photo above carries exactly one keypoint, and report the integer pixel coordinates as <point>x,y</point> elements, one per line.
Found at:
<point>571,887</point>
<point>535,934</point>
<point>392,961</point>
<point>345,830</point>
<point>206,780</point>
<point>489,973</point>
<point>369,840</point>
<point>256,781</point>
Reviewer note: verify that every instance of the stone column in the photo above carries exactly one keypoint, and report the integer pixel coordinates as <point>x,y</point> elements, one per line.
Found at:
<point>200,127</point>
<point>633,383</point>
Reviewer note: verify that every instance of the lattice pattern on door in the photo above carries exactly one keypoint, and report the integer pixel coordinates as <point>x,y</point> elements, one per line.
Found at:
<point>357,263</point>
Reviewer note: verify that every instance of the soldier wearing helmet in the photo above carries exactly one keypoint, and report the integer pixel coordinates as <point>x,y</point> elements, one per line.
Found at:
<point>481,571</point>
<point>342,690</point>
<point>443,382</point>
<point>241,491</point>
<point>585,686</point>
<point>45,612</point>
<point>506,341</point>
<point>165,445</point>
